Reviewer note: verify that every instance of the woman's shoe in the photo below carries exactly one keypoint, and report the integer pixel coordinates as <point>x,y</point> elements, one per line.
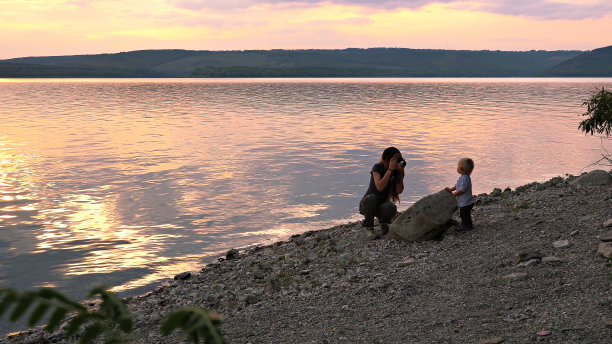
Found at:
<point>372,235</point>
<point>384,228</point>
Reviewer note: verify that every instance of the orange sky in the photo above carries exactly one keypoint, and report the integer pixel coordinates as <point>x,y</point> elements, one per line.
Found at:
<point>66,27</point>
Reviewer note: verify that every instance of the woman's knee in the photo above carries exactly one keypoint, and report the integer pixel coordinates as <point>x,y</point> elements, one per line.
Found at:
<point>368,202</point>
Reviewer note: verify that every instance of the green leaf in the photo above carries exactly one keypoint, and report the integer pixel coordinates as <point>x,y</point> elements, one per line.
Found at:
<point>24,303</point>
<point>196,323</point>
<point>114,308</point>
<point>56,318</point>
<point>76,323</point>
<point>38,313</point>
<point>116,338</point>
<point>49,293</point>
<point>173,321</point>
<point>7,301</point>
<point>91,333</point>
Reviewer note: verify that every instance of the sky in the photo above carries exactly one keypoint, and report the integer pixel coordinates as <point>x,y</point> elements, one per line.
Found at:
<point>69,27</point>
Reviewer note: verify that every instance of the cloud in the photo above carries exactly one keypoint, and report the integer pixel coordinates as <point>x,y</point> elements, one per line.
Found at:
<point>539,9</point>
<point>550,10</point>
<point>243,4</point>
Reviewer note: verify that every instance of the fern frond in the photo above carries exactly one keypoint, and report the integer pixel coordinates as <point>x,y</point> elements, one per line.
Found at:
<point>112,312</point>
<point>38,313</point>
<point>114,308</point>
<point>196,323</point>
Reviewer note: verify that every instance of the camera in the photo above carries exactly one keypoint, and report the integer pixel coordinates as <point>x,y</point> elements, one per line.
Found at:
<point>401,161</point>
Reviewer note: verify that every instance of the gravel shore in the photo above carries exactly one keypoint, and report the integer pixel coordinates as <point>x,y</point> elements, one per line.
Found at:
<point>528,272</point>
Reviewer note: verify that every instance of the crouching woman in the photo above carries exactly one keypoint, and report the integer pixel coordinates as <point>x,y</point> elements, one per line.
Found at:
<point>386,184</point>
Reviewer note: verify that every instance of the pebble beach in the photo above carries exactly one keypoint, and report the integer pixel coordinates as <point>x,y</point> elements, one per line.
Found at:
<point>532,270</point>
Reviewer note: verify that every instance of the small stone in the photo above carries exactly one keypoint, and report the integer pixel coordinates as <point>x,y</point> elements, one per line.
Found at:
<point>543,333</point>
<point>530,262</point>
<point>406,262</point>
<point>493,340</point>
<point>259,274</point>
<point>608,323</point>
<point>517,276</point>
<point>251,299</point>
<point>552,260</point>
<point>574,233</point>
<point>561,243</point>
<point>183,275</point>
<point>607,224</point>
<point>605,249</point>
<point>323,237</point>
<point>231,254</point>
<point>527,255</point>
<point>606,236</point>
<point>304,272</point>
<point>272,286</point>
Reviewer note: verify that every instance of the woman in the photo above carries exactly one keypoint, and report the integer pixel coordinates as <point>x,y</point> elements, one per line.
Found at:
<point>386,184</point>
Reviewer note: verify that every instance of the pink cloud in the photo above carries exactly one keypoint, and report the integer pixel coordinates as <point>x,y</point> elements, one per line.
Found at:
<point>539,9</point>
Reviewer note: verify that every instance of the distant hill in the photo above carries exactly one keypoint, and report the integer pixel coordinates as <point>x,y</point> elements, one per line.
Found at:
<point>373,62</point>
<point>28,70</point>
<point>597,62</point>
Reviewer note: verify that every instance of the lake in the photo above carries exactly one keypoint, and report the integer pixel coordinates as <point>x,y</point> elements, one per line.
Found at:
<point>127,182</point>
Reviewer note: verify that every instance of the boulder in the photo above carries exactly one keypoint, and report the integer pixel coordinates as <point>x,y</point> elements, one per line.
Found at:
<point>426,219</point>
<point>596,177</point>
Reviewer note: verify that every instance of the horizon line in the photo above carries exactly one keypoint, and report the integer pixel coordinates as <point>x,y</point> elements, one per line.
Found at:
<point>300,49</point>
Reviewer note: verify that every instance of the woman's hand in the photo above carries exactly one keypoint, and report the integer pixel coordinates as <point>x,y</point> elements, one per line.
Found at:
<point>400,169</point>
<point>393,164</point>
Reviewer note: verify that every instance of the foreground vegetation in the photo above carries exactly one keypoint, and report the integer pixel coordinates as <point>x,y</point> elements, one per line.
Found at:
<point>110,321</point>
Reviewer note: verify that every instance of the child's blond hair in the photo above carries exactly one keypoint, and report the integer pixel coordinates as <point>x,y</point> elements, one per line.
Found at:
<point>466,165</point>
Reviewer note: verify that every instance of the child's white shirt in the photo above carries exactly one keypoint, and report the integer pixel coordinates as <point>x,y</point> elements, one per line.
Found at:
<point>464,183</point>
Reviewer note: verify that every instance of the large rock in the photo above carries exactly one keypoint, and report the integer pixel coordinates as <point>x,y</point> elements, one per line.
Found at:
<point>426,219</point>
<point>596,177</point>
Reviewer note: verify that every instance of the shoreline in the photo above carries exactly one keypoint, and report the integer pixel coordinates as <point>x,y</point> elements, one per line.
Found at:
<point>334,285</point>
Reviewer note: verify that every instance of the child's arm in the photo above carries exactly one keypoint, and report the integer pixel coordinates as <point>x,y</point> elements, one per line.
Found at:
<point>450,189</point>
<point>458,192</point>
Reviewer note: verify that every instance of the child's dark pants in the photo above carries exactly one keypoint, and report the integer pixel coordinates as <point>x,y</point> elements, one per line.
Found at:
<point>466,216</point>
<point>369,208</point>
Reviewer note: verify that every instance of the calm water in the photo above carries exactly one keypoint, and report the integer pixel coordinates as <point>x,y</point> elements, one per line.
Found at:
<point>127,182</point>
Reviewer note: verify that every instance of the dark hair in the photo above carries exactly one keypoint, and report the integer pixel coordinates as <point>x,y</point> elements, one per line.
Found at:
<point>387,154</point>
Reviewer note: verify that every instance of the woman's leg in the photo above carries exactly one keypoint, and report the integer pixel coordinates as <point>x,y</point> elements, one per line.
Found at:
<point>367,207</point>
<point>385,214</point>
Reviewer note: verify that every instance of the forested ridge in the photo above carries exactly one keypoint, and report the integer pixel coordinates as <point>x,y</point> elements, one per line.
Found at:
<point>372,62</point>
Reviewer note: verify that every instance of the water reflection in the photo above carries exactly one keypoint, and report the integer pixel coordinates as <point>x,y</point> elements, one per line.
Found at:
<point>127,182</point>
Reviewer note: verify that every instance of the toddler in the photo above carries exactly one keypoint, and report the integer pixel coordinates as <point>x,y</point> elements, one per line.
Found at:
<point>463,191</point>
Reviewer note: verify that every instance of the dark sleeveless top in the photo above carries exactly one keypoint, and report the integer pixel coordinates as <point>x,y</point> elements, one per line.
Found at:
<point>384,195</point>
